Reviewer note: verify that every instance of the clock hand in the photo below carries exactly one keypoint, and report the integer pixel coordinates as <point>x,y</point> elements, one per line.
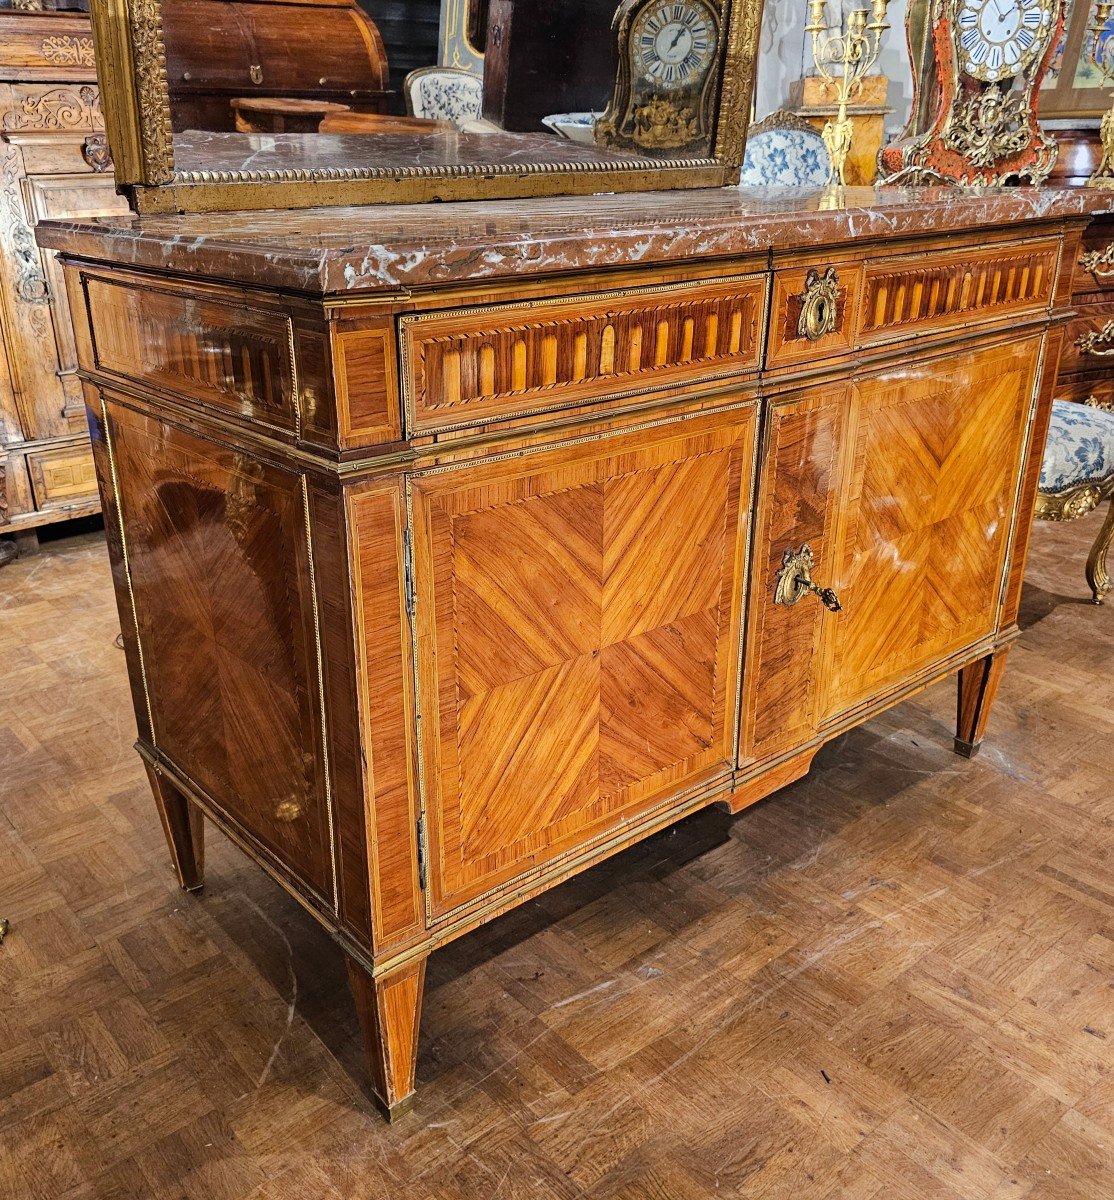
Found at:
<point>676,38</point>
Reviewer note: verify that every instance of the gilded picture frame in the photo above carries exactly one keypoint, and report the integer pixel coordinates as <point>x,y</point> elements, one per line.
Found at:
<point>1074,87</point>
<point>131,66</point>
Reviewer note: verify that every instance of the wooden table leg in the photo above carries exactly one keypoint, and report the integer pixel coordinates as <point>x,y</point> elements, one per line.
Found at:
<point>978,685</point>
<point>390,1009</point>
<point>184,827</point>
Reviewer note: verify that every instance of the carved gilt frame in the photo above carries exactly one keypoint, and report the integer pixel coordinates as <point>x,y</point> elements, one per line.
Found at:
<point>131,65</point>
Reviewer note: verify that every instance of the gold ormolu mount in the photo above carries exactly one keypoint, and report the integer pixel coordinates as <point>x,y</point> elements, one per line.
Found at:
<point>794,580</point>
<point>819,305</point>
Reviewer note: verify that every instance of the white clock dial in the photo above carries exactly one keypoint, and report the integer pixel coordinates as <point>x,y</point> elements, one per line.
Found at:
<point>674,43</point>
<point>998,39</point>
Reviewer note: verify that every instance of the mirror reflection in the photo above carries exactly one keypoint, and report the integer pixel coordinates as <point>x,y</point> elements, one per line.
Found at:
<point>320,84</point>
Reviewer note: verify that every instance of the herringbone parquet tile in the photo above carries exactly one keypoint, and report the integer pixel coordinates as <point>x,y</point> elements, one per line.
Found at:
<point>890,981</point>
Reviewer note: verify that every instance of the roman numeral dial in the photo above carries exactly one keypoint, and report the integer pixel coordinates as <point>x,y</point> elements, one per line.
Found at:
<point>674,43</point>
<point>998,39</point>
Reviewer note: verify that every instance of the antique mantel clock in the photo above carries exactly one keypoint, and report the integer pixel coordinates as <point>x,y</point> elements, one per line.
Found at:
<point>668,60</point>
<point>983,67</point>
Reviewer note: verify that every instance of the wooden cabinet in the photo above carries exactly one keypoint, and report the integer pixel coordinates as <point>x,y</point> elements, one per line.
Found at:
<point>53,163</point>
<point>435,594</point>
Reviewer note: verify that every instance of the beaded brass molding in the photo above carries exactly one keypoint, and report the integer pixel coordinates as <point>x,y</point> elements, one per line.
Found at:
<point>131,62</point>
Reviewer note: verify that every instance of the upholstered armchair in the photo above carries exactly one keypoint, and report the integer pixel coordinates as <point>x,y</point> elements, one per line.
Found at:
<point>1077,475</point>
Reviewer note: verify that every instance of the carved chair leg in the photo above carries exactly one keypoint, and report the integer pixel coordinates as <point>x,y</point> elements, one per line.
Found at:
<point>1097,577</point>
<point>184,827</point>
<point>390,1009</point>
<point>978,685</point>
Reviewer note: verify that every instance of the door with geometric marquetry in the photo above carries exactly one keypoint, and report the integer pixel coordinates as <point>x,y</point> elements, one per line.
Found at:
<point>922,532</point>
<point>577,614</point>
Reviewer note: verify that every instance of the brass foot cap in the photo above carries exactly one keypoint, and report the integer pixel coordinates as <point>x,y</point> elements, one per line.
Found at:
<point>967,749</point>
<point>394,1111</point>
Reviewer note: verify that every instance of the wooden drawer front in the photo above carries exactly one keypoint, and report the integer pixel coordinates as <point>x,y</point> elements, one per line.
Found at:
<point>219,353</point>
<point>1094,268</point>
<point>796,289</point>
<point>62,477</point>
<point>946,289</point>
<point>1089,345</point>
<point>469,366</point>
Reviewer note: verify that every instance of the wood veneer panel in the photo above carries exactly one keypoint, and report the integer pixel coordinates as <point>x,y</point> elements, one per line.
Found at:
<point>217,560</point>
<point>798,491</point>
<point>377,519</point>
<point>578,623</point>
<point>934,452</point>
<point>226,354</point>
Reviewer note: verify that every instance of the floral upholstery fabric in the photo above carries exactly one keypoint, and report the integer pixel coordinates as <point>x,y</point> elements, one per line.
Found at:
<point>1080,447</point>
<point>447,95</point>
<point>789,157</point>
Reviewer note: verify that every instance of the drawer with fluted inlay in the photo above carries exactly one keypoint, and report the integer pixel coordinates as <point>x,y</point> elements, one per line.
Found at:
<point>827,309</point>
<point>472,366</point>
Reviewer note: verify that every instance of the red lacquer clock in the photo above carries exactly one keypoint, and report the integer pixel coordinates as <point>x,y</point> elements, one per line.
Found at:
<point>975,95</point>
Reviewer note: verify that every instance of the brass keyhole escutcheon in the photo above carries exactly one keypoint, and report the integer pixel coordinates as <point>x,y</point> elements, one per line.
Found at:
<point>255,73</point>
<point>819,305</point>
<point>794,580</point>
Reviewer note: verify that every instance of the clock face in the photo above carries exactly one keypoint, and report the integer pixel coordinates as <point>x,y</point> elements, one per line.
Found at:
<point>674,43</point>
<point>1000,38</point>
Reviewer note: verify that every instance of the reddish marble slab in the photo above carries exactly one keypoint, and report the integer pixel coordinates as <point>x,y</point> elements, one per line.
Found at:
<point>378,248</point>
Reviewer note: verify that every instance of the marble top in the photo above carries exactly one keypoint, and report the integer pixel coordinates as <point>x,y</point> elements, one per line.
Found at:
<point>377,248</point>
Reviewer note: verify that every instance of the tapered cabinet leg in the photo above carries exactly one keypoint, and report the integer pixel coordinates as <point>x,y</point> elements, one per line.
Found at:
<point>390,1009</point>
<point>184,827</point>
<point>978,685</point>
<point>1097,576</point>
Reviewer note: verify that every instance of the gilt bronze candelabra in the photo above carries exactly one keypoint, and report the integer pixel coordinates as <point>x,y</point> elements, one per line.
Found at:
<point>844,54</point>
<point>1102,55</point>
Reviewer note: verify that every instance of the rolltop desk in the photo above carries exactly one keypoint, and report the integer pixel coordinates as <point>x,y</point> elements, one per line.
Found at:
<point>458,547</point>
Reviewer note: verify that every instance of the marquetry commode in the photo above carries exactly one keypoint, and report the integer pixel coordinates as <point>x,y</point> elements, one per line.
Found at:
<point>458,547</point>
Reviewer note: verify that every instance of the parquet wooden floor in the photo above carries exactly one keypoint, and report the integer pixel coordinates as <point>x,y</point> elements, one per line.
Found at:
<point>891,980</point>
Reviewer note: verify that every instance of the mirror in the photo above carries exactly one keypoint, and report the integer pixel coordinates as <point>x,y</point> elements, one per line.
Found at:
<point>227,104</point>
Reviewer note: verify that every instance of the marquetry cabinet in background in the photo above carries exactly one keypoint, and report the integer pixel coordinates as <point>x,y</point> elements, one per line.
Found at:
<point>1087,366</point>
<point>53,163</point>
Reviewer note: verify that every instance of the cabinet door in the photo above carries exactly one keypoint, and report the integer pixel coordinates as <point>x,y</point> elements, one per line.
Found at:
<point>797,500</point>
<point>925,518</point>
<point>577,616</point>
<point>903,484</point>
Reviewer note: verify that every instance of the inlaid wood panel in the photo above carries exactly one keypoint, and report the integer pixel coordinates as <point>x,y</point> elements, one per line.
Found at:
<point>942,289</point>
<point>230,355</point>
<point>933,452</point>
<point>217,562</point>
<point>62,476</point>
<point>377,519</point>
<point>798,491</point>
<point>366,380</point>
<point>577,618</point>
<point>468,366</point>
